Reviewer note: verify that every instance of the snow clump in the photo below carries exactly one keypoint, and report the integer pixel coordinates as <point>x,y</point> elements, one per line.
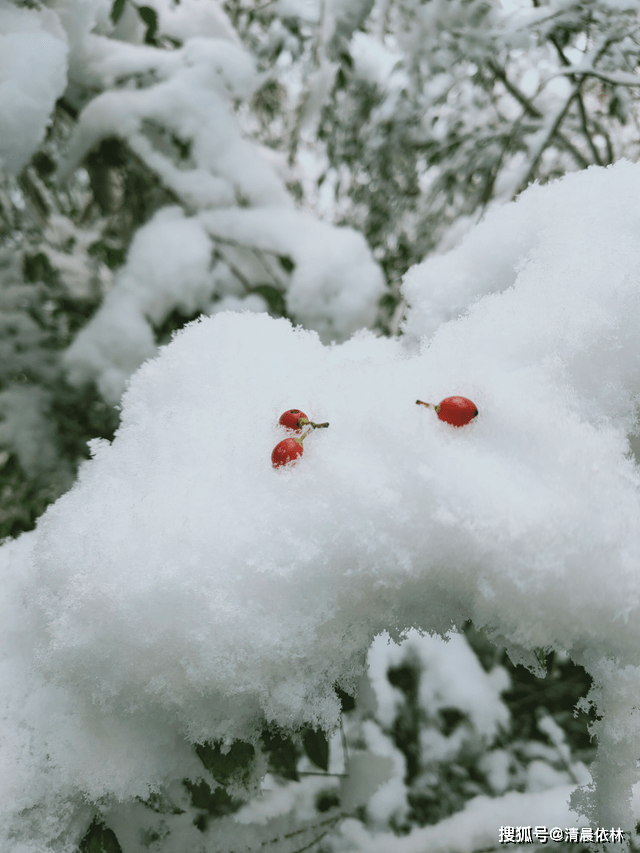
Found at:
<point>33,75</point>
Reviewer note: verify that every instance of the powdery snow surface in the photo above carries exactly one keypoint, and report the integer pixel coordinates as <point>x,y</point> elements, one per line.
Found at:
<point>185,590</point>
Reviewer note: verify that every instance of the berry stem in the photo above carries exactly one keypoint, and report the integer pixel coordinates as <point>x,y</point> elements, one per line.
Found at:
<point>307,422</point>
<point>428,405</point>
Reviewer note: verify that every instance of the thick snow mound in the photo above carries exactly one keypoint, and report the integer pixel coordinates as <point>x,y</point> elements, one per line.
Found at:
<point>185,590</point>
<point>185,580</point>
<point>33,75</point>
<point>567,236</point>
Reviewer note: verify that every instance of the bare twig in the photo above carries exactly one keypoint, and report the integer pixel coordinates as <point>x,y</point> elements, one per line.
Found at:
<point>546,142</point>
<point>513,90</point>
<point>612,39</point>
<point>581,108</point>
<point>306,95</point>
<point>259,256</point>
<point>230,241</point>
<point>244,281</point>
<point>603,132</point>
<point>323,772</point>
<point>329,823</point>
<point>32,194</point>
<point>585,128</point>
<point>311,843</point>
<point>326,822</point>
<point>623,79</point>
<point>534,112</point>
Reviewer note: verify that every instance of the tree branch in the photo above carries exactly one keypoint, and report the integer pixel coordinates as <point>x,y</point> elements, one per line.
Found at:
<point>534,112</point>
<point>581,107</point>
<point>546,142</point>
<point>244,281</point>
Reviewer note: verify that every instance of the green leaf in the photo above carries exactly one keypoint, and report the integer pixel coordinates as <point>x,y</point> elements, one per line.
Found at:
<point>283,755</point>
<point>99,839</point>
<point>234,765</point>
<point>273,297</point>
<point>286,263</point>
<point>149,17</point>
<point>38,268</point>
<point>160,804</point>
<point>116,10</point>
<point>347,702</point>
<point>216,803</point>
<point>316,746</point>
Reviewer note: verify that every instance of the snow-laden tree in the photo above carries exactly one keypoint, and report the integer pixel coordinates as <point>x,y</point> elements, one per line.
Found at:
<point>408,119</point>
<point>146,206</point>
<point>167,161</point>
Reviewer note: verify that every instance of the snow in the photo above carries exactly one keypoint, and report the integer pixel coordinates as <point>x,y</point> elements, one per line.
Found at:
<point>477,694</point>
<point>474,828</point>
<point>24,427</point>
<point>167,267</point>
<point>230,189</point>
<point>195,17</point>
<point>184,590</point>
<point>333,288</point>
<point>335,285</point>
<point>191,99</point>
<point>33,75</point>
<point>373,61</point>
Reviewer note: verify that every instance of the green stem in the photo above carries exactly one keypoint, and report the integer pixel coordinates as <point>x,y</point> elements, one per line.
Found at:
<point>306,422</point>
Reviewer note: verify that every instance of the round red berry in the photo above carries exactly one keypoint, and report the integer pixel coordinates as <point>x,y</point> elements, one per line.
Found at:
<point>291,419</point>
<point>286,452</point>
<point>456,411</point>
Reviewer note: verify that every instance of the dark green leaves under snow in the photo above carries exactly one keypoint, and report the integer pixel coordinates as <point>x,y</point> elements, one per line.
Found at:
<point>273,297</point>
<point>316,746</point>
<point>99,839</point>
<point>233,766</point>
<point>116,10</point>
<point>149,17</point>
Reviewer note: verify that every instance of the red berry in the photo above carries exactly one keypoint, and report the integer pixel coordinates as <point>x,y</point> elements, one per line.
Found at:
<point>286,452</point>
<point>291,419</point>
<point>457,411</point>
<point>295,419</point>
